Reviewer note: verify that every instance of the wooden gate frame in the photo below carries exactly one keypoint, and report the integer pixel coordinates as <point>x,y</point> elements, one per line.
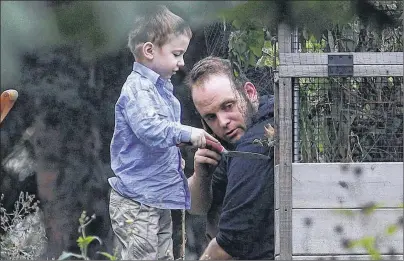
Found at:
<point>309,65</point>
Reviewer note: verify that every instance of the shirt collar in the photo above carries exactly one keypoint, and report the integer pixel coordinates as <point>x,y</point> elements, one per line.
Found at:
<point>152,76</point>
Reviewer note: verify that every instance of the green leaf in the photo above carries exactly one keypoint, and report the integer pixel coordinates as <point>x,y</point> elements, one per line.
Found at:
<point>321,147</point>
<point>257,50</point>
<point>240,47</point>
<point>84,242</point>
<point>370,208</point>
<point>107,255</point>
<point>375,254</point>
<point>391,229</point>
<point>236,74</point>
<point>252,59</point>
<point>354,243</point>
<point>367,241</point>
<point>67,255</point>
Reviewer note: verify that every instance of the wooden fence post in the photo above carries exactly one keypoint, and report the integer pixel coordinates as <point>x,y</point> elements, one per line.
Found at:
<point>285,156</point>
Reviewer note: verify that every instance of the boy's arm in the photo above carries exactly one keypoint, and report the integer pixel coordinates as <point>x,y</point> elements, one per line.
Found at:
<point>149,125</point>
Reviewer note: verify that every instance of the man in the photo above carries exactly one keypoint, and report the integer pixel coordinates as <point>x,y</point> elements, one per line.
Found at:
<point>237,194</point>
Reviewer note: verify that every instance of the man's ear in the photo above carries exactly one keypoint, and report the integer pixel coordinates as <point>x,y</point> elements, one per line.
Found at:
<point>251,91</point>
<point>148,50</point>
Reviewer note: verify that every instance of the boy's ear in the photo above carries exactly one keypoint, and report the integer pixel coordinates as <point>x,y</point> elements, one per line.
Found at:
<point>148,49</point>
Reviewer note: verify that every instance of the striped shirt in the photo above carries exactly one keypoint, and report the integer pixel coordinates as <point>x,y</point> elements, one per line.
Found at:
<point>144,155</point>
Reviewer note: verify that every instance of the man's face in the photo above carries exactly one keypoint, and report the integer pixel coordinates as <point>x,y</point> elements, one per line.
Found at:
<point>222,107</point>
<point>169,58</point>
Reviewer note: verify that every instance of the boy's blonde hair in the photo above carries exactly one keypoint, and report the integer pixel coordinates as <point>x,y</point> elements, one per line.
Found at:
<point>156,25</point>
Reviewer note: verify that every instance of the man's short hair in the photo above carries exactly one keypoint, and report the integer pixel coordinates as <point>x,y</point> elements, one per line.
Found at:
<point>155,24</point>
<point>216,66</point>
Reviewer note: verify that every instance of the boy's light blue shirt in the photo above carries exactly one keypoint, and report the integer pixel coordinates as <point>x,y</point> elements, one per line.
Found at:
<point>144,155</point>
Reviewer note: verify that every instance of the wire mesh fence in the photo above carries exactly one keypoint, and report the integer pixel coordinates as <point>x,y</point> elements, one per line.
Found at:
<point>338,119</point>
<point>350,119</point>
<point>216,38</point>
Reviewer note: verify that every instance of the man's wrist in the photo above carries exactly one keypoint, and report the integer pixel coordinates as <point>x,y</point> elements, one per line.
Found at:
<point>215,252</point>
<point>203,176</point>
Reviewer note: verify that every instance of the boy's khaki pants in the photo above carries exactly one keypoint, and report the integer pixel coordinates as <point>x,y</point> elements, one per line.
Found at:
<point>140,232</point>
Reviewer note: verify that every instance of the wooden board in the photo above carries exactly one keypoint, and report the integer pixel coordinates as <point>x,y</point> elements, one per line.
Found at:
<point>338,185</point>
<point>344,257</point>
<point>359,58</point>
<point>285,129</point>
<point>315,231</point>
<point>365,64</point>
<point>300,71</point>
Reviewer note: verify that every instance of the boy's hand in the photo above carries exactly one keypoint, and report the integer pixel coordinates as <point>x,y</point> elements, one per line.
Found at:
<point>199,136</point>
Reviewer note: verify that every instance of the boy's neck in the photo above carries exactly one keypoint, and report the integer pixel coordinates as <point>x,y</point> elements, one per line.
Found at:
<point>148,64</point>
<point>148,67</point>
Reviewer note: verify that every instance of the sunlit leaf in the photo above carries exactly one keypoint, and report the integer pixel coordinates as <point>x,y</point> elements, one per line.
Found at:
<point>84,242</point>
<point>67,255</point>
<point>391,229</point>
<point>107,255</point>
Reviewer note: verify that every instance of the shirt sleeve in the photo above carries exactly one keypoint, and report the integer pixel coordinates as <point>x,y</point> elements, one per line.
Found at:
<point>148,124</point>
<point>248,205</point>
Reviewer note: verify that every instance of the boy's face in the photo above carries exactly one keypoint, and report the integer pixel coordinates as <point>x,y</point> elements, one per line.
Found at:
<point>168,58</point>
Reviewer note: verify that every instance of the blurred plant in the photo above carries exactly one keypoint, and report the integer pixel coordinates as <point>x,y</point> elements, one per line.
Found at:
<point>23,235</point>
<point>84,241</point>
<point>251,47</point>
<point>370,243</point>
<point>317,16</point>
<point>269,138</point>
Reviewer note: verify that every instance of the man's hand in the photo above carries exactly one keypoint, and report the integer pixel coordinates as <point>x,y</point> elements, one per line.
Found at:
<point>205,162</point>
<point>215,252</point>
<point>199,136</point>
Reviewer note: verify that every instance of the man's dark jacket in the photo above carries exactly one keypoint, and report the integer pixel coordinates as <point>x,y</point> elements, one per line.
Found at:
<point>243,195</point>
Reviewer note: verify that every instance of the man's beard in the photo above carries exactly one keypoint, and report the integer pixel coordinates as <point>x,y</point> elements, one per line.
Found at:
<point>250,113</point>
<point>247,109</point>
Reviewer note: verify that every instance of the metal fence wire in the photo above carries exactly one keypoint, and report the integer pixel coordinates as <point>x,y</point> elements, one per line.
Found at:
<point>217,38</point>
<point>337,119</point>
<point>349,119</point>
<point>353,119</point>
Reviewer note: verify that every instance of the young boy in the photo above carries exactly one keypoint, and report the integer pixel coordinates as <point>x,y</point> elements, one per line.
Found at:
<point>145,157</point>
